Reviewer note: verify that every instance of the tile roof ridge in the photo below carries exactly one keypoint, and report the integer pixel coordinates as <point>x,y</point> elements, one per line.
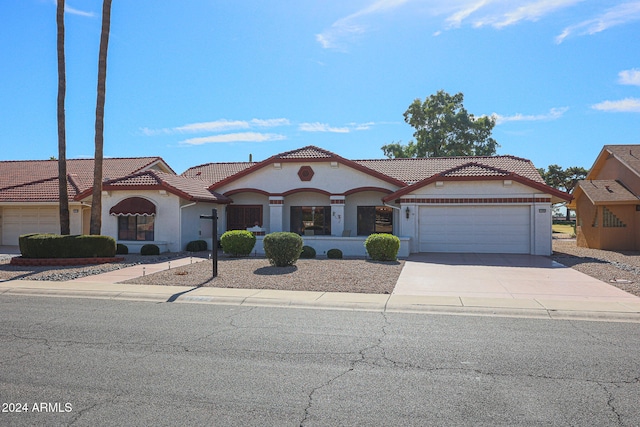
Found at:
<point>37,181</point>
<point>478,164</point>
<point>498,156</point>
<point>307,147</point>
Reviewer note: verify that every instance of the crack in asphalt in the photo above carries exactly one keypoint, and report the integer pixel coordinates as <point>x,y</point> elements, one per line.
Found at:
<point>360,358</point>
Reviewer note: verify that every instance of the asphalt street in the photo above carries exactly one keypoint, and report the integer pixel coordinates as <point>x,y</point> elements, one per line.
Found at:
<point>88,362</point>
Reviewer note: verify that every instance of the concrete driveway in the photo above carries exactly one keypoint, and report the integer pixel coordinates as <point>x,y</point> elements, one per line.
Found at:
<point>506,276</point>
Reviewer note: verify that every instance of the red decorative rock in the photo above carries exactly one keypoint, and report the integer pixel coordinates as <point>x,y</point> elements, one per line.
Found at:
<point>62,262</point>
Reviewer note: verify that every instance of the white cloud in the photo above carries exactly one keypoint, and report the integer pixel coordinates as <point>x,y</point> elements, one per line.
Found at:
<point>553,114</point>
<point>618,15</point>
<point>627,105</point>
<point>234,137</point>
<point>74,11</point>
<point>345,29</point>
<point>321,127</point>
<point>270,122</point>
<point>629,77</point>
<point>221,125</point>
<point>501,13</point>
<point>324,127</point>
<point>467,10</point>
<point>215,126</point>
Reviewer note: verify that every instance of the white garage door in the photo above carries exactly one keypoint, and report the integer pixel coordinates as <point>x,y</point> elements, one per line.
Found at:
<point>482,229</point>
<point>18,221</point>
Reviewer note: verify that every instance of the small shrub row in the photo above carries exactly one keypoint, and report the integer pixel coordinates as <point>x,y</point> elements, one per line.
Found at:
<point>197,246</point>
<point>149,249</point>
<point>334,254</point>
<point>57,246</point>
<point>308,252</point>
<point>122,249</point>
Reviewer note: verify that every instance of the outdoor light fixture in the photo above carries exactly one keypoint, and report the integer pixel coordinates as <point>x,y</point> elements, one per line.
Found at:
<point>407,212</point>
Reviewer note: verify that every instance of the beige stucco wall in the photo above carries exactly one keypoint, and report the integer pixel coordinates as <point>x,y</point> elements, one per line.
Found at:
<point>333,179</point>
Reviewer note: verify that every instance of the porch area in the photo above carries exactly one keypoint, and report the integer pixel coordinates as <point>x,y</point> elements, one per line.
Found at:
<point>350,246</point>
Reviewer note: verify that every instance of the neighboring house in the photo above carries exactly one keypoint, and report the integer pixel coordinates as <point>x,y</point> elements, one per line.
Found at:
<point>606,202</point>
<point>496,204</point>
<point>29,193</point>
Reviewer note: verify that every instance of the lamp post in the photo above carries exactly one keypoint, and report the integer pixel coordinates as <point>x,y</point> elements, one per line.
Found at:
<point>214,239</point>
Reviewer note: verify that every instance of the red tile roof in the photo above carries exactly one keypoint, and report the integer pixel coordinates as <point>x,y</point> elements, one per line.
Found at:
<point>188,188</point>
<point>408,171</point>
<point>37,180</point>
<point>215,172</point>
<point>417,169</point>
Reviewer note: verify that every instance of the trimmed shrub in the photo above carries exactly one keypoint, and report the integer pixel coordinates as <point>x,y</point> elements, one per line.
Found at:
<point>308,252</point>
<point>282,248</point>
<point>382,246</point>
<point>334,254</point>
<point>149,249</point>
<point>57,246</point>
<point>237,242</point>
<point>197,246</point>
<point>122,249</point>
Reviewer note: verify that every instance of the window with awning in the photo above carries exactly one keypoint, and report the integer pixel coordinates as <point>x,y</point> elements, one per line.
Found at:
<point>136,218</point>
<point>133,206</point>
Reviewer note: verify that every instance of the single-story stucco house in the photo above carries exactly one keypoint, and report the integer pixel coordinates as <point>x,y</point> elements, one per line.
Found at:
<point>495,204</point>
<point>607,202</point>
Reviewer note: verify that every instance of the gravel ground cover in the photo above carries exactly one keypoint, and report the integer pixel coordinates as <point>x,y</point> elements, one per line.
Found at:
<point>320,274</point>
<point>618,268</point>
<point>9,272</point>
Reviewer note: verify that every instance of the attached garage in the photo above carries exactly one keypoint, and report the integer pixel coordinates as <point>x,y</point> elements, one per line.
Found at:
<point>480,229</point>
<point>22,220</point>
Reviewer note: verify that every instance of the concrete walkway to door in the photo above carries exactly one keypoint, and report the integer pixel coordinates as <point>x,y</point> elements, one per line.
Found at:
<point>504,279</point>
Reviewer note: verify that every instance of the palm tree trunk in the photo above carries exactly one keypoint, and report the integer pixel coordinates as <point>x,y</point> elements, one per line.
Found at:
<point>96,201</point>
<point>63,194</point>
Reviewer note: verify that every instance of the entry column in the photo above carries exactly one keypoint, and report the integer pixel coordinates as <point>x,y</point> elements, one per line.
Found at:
<point>276,206</point>
<point>337,215</point>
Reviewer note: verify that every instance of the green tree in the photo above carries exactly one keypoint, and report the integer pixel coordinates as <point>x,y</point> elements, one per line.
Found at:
<point>444,128</point>
<point>563,179</point>
<point>63,193</point>
<point>95,225</point>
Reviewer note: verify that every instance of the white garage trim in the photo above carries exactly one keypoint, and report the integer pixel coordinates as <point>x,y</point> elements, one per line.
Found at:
<point>23,220</point>
<point>481,229</point>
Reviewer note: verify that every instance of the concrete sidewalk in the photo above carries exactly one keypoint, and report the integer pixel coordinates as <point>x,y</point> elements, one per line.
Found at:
<point>517,286</point>
<point>622,307</point>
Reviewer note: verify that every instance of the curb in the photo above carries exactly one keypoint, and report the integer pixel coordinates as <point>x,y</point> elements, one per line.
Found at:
<point>321,301</point>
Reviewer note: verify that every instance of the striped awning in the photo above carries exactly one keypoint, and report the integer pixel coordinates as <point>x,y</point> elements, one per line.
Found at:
<point>133,206</point>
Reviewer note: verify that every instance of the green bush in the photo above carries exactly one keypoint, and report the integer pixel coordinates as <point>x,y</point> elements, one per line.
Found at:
<point>282,248</point>
<point>57,246</point>
<point>334,254</point>
<point>308,252</point>
<point>382,246</point>
<point>237,242</point>
<point>122,249</point>
<point>149,249</point>
<point>197,246</point>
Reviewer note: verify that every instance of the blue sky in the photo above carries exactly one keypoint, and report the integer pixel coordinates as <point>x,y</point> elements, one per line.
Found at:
<point>201,81</point>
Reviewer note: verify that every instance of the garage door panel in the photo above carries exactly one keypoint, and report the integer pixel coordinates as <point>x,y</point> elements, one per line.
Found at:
<point>482,229</point>
<point>19,221</point>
